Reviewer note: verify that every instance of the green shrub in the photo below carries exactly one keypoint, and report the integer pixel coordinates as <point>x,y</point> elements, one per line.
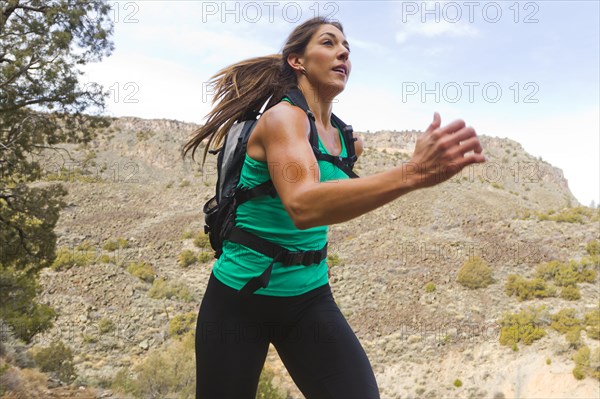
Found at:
<point>266,389</point>
<point>595,363</point>
<point>66,258</point>
<point>567,275</point>
<point>89,338</point>
<point>525,289</point>
<point>547,270</point>
<point>592,323</point>
<point>587,275</point>
<point>593,247</point>
<point>457,383</point>
<point>582,357</point>
<point>105,325</point>
<point>579,373</point>
<point>124,381</point>
<point>205,256</point>
<point>166,289</point>
<point>114,245</point>
<point>573,337</point>
<point>144,135</point>
<point>525,326</point>
<point>165,373</point>
<point>142,270</point>
<point>187,258</point>
<point>548,361</point>
<point>568,215</point>
<point>570,293</point>
<point>187,235</point>
<point>573,215</point>
<point>590,262</point>
<point>104,259</point>
<point>182,324</point>
<point>56,359</point>
<point>582,363</point>
<point>475,273</point>
<point>543,217</point>
<point>429,287</point>
<point>333,260</point>
<point>202,240</point>
<point>565,320</point>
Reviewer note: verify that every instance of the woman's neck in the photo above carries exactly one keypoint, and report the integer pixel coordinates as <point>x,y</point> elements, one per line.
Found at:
<point>319,102</point>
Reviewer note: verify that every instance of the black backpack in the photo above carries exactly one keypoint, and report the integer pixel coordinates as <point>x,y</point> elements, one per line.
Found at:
<point>220,210</point>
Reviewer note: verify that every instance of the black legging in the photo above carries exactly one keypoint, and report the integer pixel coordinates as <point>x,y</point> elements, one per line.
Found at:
<point>312,337</point>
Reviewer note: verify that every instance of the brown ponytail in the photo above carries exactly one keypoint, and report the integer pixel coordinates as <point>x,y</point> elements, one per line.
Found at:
<point>245,86</point>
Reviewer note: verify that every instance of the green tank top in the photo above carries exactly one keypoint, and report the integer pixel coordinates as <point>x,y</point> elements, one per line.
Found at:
<point>267,218</point>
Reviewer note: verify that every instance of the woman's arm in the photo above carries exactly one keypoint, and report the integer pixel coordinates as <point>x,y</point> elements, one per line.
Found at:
<point>295,172</point>
<point>358,144</point>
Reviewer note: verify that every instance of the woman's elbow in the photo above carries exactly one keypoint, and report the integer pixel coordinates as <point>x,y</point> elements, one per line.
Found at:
<point>302,225</point>
<point>300,215</point>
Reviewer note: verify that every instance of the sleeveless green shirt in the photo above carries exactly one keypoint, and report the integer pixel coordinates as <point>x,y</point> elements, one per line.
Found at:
<point>267,218</point>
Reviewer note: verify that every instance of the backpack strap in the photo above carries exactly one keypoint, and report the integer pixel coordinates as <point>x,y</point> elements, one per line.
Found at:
<point>244,194</point>
<point>348,135</point>
<point>275,251</point>
<point>343,163</point>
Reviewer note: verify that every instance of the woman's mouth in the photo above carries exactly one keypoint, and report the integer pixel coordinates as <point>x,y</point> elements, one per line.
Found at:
<point>341,70</point>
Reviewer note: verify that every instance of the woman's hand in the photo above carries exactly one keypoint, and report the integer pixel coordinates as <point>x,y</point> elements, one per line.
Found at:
<point>440,152</point>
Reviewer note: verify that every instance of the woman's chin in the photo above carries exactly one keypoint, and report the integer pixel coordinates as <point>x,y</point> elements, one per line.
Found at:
<point>334,88</point>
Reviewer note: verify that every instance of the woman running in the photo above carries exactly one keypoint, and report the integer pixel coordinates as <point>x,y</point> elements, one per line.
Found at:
<point>291,305</point>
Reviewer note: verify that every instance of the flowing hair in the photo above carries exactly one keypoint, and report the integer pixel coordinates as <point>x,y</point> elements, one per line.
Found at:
<point>244,87</point>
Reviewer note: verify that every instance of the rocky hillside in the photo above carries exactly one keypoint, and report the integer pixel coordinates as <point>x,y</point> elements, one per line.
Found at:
<point>131,183</point>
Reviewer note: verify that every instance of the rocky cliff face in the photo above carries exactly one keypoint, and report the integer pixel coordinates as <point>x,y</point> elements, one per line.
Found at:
<point>131,182</point>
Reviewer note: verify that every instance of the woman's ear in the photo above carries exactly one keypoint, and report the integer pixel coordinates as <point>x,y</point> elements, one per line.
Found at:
<point>295,61</point>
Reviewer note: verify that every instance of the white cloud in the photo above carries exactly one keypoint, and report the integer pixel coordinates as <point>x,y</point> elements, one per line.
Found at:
<point>438,50</point>
<point>401,37</point>
<point>370,46</point>
<point>148,87</point>
<point>433,29</point>
<point>217,47</point>
<point>429,19</point>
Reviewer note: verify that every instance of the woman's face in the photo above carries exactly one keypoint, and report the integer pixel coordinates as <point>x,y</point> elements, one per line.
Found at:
<point>326,59</point>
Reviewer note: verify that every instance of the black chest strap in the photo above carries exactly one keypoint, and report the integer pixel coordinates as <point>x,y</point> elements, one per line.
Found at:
<point>275,251</point>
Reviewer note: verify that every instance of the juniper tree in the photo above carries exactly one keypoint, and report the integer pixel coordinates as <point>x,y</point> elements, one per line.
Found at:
<point>43,45</point>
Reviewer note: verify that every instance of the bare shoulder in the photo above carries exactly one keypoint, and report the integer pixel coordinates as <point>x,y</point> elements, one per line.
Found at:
<point>281,123</point>
<point>286,118</point>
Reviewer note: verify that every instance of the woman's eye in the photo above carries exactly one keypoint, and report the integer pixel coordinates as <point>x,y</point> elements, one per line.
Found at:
<point>327,42</point>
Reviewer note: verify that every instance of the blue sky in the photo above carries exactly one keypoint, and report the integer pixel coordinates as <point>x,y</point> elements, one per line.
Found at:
<point>526,70</point>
